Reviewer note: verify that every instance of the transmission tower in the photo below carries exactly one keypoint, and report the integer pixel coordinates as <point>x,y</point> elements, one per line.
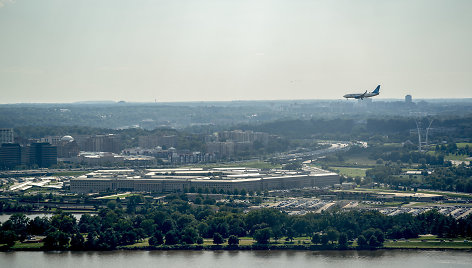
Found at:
<point>427,130</point>
<point>419,128</point>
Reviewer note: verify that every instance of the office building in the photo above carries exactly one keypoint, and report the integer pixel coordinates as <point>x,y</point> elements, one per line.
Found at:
<point>6,135</point>
<point>10,155</point>
<point>42,154</point>
<point>102,143</point>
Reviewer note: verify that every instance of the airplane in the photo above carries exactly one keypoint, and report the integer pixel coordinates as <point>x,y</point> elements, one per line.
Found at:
<point>364,95</point>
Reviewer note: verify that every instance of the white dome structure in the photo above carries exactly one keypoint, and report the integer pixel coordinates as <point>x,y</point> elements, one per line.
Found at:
<point>67,138</point>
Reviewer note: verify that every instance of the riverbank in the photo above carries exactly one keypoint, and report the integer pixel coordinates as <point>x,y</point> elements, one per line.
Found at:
<point>297,247</point>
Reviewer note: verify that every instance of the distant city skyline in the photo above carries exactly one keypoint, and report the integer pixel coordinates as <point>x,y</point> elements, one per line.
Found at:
<point>203,50</point>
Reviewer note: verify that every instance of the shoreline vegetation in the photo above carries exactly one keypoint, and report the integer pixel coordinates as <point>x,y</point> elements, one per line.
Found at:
<point>183,222</point>
<point>410,246</point>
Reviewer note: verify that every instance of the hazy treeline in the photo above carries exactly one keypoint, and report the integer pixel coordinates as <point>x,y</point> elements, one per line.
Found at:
<point>208,114</point>
<point>355,128</point>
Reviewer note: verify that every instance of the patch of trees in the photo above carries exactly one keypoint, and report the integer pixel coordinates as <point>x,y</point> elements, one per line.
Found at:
<point>304,128</point>
<point>11,206</point>
<point>451,148</point>
<point>452,178</point>
<point>383,174</point>
<point>406,156</point>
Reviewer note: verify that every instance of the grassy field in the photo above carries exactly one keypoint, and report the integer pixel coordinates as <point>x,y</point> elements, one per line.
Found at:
<point>457,157</point>
<point>19,245</point>
<point>429,245</point>
<point>452,156</point>
<point>350,172</point>
<point>430,242</point>
<point>360,159</point>
<point>243,241</point>
<point>463,144</point>
<point>423,242</point>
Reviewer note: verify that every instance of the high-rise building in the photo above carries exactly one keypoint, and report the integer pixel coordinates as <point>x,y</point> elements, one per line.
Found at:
<point>102,143</point>
<point>244,136</point>
<point>408,99</point>
<point>221,148</point>
<point>10,155</point>
<point>6,135</point>
<point>42,154</point>
<point>153,141</point>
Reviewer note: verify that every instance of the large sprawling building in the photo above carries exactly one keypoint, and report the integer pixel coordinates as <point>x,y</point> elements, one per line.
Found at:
<point>180,180</point>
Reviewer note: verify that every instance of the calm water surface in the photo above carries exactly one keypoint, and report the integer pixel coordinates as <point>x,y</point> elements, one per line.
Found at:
<point>243,259</point>
<point>5,216</point>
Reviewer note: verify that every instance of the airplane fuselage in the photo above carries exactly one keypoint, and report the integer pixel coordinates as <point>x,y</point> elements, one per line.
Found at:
<point>360,95</point>
<point>363,95</point>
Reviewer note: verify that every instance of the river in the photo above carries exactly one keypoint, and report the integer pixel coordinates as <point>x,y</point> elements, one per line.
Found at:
<point>4,217</point>
<point>244,259</point>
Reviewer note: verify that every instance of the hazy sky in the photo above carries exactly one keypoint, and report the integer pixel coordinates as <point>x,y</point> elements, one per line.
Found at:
<point>175,50</point>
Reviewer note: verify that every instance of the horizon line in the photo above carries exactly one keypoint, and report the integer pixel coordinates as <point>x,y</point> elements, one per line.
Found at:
<point>209,101</point>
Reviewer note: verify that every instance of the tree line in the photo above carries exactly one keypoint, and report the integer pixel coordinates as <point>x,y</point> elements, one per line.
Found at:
<point>180,222</point>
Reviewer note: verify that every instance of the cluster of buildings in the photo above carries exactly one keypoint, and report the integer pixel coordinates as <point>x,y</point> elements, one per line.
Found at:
<point>46,151</point>
<point>228,143</point>
<point>106,150</point>
<point>162,147</point>
<point>71,146</point>
<point>218,146</point>
<point>215,179</point>
<point>40,154</point>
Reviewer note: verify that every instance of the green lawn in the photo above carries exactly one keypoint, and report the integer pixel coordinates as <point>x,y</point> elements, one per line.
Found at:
<point>19,245</point>
<point>429,245</point>
<point>243,241</point>
<point>350,172</point>
<point>463,144</point>
<point>457,157</point>
<point>360,158</point>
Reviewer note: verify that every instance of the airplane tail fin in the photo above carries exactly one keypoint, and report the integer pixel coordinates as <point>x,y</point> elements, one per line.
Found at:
<point>377,89</point>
